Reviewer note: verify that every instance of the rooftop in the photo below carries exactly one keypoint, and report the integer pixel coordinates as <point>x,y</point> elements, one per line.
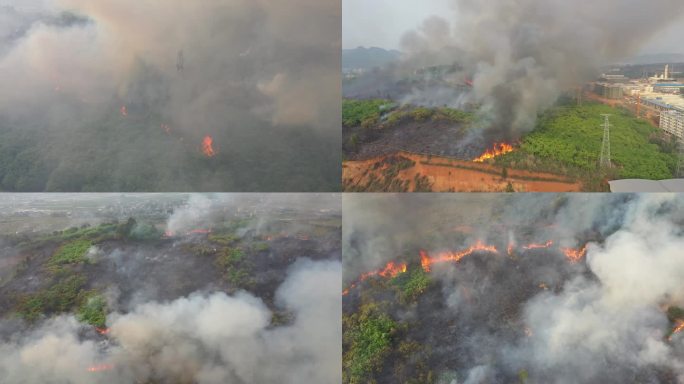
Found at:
<point>650,186</point>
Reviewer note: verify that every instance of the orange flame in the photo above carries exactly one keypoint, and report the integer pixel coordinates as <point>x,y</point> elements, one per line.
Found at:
<point>677,329</point>
<point>575,255</point>
<point>102,331</point>
<point>548,244</point>
<point>426,260</point>
<point>498,149</point>
<point>124,111</point>
<point>208,146</point>
<point>509,249</point>
<point>166,128</point>
<point>101,368</point>
<point>392,269</point>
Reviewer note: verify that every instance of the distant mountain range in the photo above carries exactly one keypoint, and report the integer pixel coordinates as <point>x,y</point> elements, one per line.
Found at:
<point>368,58</point>
<point>657,58</point>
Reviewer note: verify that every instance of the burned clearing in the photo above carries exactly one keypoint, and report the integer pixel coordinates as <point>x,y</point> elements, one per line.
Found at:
<point>543,291</point>
<point>153,263</point>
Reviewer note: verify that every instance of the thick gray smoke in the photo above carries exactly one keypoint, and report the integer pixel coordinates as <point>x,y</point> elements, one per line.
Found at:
<point>203,338</point>
<point>522,54</point>
<point>259,76</point>
<point>191,215</point>
<point>601,320</point>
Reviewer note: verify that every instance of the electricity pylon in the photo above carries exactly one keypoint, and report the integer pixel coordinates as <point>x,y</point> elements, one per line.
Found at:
<point>605,146</point>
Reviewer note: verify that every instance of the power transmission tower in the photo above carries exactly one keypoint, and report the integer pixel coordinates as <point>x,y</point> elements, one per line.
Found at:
<point>605,146</point>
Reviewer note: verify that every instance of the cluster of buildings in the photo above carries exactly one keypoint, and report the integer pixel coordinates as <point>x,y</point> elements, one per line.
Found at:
<point>661,93</point>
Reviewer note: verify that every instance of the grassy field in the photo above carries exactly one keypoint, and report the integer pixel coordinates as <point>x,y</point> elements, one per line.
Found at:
<point>568,139</point>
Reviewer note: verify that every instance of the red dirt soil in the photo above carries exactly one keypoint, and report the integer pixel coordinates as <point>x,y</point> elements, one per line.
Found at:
<point>447,174</point>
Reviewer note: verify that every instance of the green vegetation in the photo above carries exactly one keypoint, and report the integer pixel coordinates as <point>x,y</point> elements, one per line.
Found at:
<point>366,113</point>
<point>675,313</point>
<point>223,239</point>
<point>93,310</point>
<point>412,284</point>
<point>144,232</point>
<point>357,112</point>
<point>568,139</point>
<point>368,335</point>
<point>421,113</point>
<point>453,115</point>
<point>62,296</point>
<point>261,246</point>
<point>109,153</point>
<point>71,253</point>
<point>234,266</point>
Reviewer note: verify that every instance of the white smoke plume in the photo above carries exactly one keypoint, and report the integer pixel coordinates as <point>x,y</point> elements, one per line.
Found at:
<point>604,319</point>
<point>206,338</point>
<point>195,212</point>
<point>258,76</point>
<point>522,54</point>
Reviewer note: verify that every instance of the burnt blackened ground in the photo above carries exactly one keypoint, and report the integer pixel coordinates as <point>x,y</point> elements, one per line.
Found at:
<point>467,314</point>
<point>130,272</point>
<point>439,138</point>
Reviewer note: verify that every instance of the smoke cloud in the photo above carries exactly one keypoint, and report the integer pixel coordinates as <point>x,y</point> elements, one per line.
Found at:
<point>203,338</point>
<point>522,54</point>
<point>601,320</point>
<point>260,77</point>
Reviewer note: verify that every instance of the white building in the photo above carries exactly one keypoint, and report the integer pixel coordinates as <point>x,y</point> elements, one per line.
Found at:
<point>672,121</point>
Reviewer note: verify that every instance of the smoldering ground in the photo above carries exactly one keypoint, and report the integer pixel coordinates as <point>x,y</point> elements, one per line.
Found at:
<point>119,95</point>
<point>520,55</point>
<point>245,288</point>
<point>528,314</point>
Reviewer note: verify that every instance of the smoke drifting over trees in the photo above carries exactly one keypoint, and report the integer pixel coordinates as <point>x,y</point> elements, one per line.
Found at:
<point>204,338</point>
<point>522,54</point>
<point>528,314</point>
<point>225,288</point>
<point>118,95</point>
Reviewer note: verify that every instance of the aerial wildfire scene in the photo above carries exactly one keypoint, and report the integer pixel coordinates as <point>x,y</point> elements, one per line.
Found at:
<point>169,96</point>
<point>174,289</point>
<point>515,96</point>
<point>552,288</point>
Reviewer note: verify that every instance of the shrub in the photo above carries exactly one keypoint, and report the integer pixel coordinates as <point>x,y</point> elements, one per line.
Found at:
<point>71,253</point>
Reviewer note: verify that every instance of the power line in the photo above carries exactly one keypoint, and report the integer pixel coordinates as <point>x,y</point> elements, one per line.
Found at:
<point>605,146</point>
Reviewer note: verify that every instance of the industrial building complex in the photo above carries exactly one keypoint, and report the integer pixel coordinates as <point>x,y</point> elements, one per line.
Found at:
<point>660,97</point>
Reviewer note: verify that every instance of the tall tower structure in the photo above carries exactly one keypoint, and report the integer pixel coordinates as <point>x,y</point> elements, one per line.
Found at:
<point>605,145</point>
<point>666,75</point>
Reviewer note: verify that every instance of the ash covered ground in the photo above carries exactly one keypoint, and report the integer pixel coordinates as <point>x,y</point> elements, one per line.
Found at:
<point>526,289</point>
<point>170,288</point>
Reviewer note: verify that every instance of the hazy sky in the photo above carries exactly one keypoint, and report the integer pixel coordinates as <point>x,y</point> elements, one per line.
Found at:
<point>381,23</point>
